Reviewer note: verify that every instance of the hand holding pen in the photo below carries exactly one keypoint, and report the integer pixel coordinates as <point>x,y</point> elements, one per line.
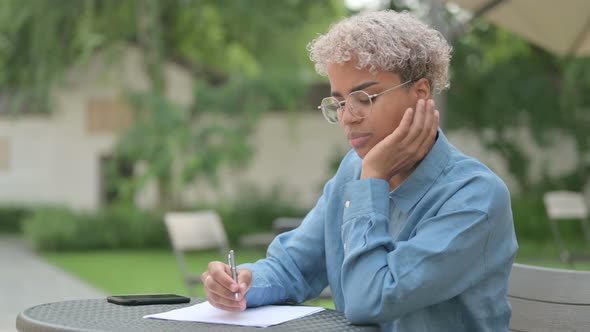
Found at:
<point>226,285</point>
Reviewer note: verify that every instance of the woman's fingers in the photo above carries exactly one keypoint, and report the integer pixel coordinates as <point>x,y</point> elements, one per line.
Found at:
<point>430,134</point>
<point>221,289</point>
<point>402,130</point>
<point>417,125</point>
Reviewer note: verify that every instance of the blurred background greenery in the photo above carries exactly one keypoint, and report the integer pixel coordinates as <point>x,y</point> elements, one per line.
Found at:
<point>248,58</point>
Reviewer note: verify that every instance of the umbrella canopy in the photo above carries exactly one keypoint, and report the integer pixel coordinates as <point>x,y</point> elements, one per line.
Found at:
<point>562,27</point>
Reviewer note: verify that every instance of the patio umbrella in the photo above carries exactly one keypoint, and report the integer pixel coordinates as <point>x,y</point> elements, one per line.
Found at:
<point>562,27</point>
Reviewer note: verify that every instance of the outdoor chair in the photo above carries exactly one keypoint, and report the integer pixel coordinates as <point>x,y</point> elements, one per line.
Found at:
<point>193,231</point>
<point>545,299</point>
<point>566,205</point>
<point>261,240</point>
<point>285,224</point>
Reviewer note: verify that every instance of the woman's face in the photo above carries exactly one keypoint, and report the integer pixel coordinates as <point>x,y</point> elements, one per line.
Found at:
<point>387,109</point>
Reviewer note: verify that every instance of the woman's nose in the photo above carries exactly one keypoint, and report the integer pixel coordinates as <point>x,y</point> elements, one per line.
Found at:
<point>346,115</point>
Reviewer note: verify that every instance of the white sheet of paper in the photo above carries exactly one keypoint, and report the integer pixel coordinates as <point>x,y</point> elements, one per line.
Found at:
<point>261,317</point>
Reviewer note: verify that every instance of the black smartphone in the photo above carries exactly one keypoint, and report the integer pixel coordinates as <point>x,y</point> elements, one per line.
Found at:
<point>143,299</point>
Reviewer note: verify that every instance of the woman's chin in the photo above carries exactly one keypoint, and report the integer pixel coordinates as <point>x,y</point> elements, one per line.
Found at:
<point>361,152</point>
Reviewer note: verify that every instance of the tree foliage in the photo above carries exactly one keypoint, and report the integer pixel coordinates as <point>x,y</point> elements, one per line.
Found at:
<point>246,57</point>
<point>501,82</point>
<point>41,39</point>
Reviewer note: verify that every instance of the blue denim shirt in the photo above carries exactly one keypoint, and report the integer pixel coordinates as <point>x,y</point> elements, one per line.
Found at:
<point>446,270</point>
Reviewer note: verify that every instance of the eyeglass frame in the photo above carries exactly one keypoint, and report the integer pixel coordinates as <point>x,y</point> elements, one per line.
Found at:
<point>342,103</point>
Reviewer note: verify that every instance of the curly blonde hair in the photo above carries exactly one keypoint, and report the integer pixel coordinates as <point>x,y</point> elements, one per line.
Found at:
<point>386,41</point>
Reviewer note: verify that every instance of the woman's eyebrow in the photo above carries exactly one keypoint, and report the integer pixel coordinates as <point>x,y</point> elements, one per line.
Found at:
<point>355,88</point>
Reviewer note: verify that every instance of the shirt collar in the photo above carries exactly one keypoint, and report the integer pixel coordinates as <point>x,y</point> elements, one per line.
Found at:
<point>418,183</point>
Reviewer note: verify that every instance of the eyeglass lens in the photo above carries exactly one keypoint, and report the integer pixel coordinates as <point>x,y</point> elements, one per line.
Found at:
<point>358,103</point>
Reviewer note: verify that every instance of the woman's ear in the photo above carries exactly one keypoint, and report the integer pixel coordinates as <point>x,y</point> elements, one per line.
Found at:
<point>422,88</point>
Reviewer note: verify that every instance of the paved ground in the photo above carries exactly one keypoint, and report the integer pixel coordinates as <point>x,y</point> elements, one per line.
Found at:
<point>27,280</point>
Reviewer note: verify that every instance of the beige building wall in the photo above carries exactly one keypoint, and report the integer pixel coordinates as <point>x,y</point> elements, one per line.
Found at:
<point>55,159</point>
<point>293,152</point>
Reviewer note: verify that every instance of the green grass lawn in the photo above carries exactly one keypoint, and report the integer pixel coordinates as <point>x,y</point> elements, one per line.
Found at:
<point>138,271</point>
<point>156,271</point>
<point>145,271</point>
<point>546,254</point>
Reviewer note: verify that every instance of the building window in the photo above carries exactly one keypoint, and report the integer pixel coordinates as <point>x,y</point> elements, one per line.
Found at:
<point>4,153</point>
<point>107,116</point>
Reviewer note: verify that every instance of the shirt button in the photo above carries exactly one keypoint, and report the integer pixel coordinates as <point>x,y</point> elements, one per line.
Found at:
<point>347,204</point>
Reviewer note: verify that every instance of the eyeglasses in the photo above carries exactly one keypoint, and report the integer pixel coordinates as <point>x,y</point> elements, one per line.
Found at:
<point>359,104</point>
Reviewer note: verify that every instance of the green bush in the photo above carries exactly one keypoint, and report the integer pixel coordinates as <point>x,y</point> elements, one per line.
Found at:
<point>117,227</point>
<point>54,228</point>
<point>122,226</point>
<point>130,227</point>
<point>11,218</point>
<point>253,211</point>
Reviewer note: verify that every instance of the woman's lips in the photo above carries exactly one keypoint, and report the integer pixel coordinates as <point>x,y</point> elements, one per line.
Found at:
<point>357,140</point>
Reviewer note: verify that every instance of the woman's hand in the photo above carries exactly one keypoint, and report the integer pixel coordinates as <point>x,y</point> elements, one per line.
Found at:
<point>221,288</point>
<point>406,146</point>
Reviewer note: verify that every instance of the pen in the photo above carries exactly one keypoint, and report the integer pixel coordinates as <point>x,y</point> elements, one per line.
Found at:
<point>232,267</point>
